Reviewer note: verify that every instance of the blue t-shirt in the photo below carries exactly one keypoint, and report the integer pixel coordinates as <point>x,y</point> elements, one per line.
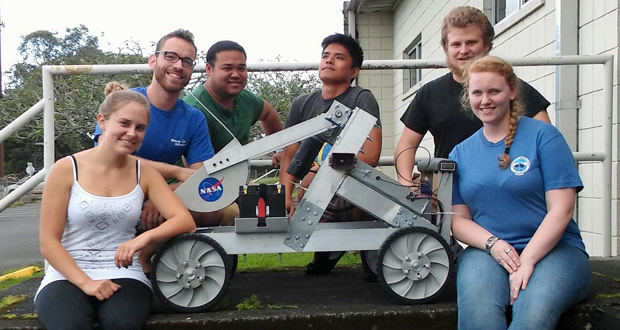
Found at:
<point>181,131</point>
<point>510,203</point>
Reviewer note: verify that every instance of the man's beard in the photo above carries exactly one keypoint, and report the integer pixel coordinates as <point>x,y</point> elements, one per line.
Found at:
<point>456,71</point>
<point>160,77</point>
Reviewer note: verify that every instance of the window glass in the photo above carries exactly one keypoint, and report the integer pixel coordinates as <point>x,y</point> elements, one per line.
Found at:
<point>503,8</point>
<point>412,76</point>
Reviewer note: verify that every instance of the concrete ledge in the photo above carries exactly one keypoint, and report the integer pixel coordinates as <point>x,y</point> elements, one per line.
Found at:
<point>24,272</point>
<point>341,300</point>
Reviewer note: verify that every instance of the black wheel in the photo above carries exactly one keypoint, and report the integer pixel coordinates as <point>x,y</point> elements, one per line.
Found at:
<point>234,261</point>
<point>369,260</point>
<point>415,265</point>
<point>190,273</point>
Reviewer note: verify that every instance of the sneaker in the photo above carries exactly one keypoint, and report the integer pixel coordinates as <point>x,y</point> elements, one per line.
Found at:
<point>369,258</point>
<point>369,276</point>
<point>323,262</point>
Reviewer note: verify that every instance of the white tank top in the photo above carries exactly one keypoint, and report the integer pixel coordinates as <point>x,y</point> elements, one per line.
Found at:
<point>95,227</point>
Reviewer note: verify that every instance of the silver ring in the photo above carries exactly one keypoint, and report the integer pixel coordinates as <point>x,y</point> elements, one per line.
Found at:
<point>516,289</point>
<point>508,250</point>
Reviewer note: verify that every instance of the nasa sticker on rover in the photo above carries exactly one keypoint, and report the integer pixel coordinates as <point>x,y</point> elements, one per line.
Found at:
<point>211,189</point>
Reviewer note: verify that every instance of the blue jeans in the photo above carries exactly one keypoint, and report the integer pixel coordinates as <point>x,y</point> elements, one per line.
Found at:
<point>561,279</point>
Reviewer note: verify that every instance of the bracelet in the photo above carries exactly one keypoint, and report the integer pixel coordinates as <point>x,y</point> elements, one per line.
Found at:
<point>313,171</point>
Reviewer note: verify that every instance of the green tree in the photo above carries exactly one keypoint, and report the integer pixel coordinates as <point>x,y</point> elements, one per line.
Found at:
<point>280,88</point>
<point>77,98</point>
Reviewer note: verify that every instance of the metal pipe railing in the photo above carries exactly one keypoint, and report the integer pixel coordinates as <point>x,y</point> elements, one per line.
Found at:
<point>603,156</point>
<point>23,189</point>
<point>21,121</point>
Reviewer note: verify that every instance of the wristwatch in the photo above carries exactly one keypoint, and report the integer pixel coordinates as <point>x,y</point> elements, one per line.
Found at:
<point>490,241</point>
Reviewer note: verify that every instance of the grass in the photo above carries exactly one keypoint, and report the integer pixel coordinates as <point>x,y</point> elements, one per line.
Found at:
<point>249,303</point>
<point>608,295</point>
<point>254,303</point>
<point>286,261</point>
<point>20,203</point>
<point>16,204</point>
<point>11,300</point>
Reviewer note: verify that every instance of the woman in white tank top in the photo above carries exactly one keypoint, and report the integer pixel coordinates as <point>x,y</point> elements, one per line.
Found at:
<point>90,207</point>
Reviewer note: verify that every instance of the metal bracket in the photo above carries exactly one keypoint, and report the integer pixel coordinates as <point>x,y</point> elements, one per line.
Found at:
<point>307,216</point>
<point>327,180</point>
<point>250,225</point>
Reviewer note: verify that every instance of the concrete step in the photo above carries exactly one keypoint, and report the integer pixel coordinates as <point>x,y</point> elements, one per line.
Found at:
<point>340,300</point>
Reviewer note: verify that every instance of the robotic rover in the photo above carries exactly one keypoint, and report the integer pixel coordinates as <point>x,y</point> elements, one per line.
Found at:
<point>408,245</point>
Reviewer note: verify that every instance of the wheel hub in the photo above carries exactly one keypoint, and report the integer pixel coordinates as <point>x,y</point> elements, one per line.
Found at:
<point>190,274</point>
<point>416,266</point>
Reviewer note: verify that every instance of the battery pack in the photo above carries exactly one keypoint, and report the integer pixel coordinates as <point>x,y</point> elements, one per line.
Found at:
<point>251,206</point>
<point>261,209</point>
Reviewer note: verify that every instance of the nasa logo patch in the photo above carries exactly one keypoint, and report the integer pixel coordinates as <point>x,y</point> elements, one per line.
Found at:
<point>211,189</point>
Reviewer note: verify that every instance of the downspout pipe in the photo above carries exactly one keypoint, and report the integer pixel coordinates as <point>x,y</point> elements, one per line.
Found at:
<point>350,10</point>
<point>567,77</point>
<point>351,31</point>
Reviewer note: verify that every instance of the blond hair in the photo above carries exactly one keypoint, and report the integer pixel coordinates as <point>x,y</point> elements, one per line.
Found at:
<point>464,16</point>
<point>118,95</point>
<point>504,69</point>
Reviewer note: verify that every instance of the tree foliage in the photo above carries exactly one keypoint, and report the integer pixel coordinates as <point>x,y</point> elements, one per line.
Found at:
<point>77,97</point>
<point>280,88</point>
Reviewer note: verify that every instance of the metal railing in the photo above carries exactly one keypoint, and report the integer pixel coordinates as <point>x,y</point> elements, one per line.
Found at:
<point>47,106</point>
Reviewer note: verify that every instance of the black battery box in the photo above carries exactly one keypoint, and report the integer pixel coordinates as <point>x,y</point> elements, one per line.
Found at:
<point>261,201</point>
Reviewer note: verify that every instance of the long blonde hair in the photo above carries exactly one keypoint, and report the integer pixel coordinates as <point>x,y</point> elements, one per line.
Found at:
<point>504,69</point>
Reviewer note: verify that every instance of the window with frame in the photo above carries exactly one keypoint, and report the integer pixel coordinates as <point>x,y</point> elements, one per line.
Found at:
<point>504,8</point>
<point>414,52</point>
<point>506,13</point>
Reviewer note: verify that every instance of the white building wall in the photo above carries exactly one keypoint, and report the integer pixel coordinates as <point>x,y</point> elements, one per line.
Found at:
<point>528,33</point>
<point>598,34</point>
<point>375,35</point>
<point>412,19</point>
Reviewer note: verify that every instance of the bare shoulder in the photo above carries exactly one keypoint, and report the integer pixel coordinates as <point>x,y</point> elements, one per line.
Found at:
<point>148,171</point>
<point>62,166</point>
<point>61,175</point>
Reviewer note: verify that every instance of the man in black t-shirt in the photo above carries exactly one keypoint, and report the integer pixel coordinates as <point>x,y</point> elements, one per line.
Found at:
<point>466,34</point>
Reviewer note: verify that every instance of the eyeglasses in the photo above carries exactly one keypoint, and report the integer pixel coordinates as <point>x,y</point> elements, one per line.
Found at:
<point>173,57</point>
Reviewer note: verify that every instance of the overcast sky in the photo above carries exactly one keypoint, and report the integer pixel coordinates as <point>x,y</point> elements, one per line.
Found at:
<point>265,28</point>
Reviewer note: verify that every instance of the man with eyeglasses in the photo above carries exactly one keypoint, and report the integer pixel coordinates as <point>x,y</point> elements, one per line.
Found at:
<point>176,129</point>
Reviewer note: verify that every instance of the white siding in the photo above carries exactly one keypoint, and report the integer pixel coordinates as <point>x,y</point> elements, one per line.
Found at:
<point>375,35</point>
<point>532,33</point>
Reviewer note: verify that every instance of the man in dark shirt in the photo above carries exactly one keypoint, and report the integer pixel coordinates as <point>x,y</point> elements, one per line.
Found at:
<point>340,64</point>
<point>466,34</point>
